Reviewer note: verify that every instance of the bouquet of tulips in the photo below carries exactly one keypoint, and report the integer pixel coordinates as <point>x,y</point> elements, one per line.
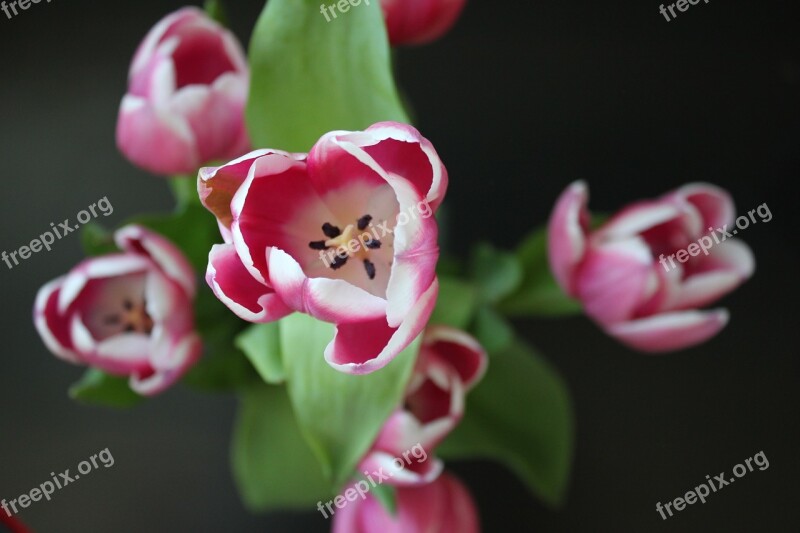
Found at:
<point>363,356</point>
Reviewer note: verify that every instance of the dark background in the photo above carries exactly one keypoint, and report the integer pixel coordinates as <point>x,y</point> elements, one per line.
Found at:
<point>520,99</point>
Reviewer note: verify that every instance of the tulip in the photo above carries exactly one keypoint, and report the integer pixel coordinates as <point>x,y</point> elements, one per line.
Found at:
<point>443,506</point>
<point>345,234</point>
<point>127,314</point>
<point>412,22</point>
<point>187,89</point>
<point>619,273</point>
<point>450,363</point>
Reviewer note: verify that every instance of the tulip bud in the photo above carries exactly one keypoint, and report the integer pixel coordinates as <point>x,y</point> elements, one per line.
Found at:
<point>187,89</point>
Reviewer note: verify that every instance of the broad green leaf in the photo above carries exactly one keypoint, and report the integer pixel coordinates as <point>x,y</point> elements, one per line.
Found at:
<point>492,330</point>
<point>262,346</point>
<point>456,304</point>
<point>496,273</point>
<point>519,415</point>
<point>99,388</point>
<point>272,464</point>
<point>339,414</point>
<point>538,294</point>
<point>310,76</point>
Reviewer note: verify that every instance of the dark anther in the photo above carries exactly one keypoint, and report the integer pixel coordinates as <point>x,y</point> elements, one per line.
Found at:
<point>127,305</point>
<point>374,244</point>
<point>317,245</point>
<point>363,222</point>
<point>111,320</point>
<point>369,266</point>
<point>129,328</point>
<point>339,261</point>
<point>330,230</point>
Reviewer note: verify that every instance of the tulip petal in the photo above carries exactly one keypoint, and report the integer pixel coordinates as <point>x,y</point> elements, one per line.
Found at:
<point>154,139</point>
<point>183,356</point>
<point>669,331</point>
<point>232,283</point>
<point>49,324</point>
<point>137,239</point>
<point>364,347</point>
<point>566,234</point>
<point>458,349</point>
<point>330,300</point>
<point>615,279</point>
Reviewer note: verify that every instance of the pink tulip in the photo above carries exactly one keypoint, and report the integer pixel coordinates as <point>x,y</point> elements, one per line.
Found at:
<point>621,274</point>
<point>419,21</point>
<point>346,235</point>
<point>450,363</point>
<point>127,314</point>
<point>187,89</point>
<point>444,506</point>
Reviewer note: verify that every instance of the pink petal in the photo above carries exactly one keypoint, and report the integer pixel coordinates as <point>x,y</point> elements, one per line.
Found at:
<point>185,354</point>
<point>52,327</point>
<point>331,300</point>
<point>669,331</point>
<point>276,189</point>
<point>363,347</point>
<point>156,139</point>
<point>458,349</point>
<point>714,203</point>
<point>232,283</point>
<point>103,267</point>
<point>167,256</point>
<point>217,185</point>
<point>566,234</point>
<point>615,279</point>
<point>401,150</point>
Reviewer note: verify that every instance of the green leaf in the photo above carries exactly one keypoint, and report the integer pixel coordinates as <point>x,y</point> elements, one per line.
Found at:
<point>194,230</point>
<point>262,345</point>
<point>99,388</point>
<point>387,497</point>
<point>538,294</point>
<point>456,304</point>
<point>339,414</point>
<point>272,464</point>
<point>223,367</point>
<point>496,273</point>
<point>310,76</point>
<point>519,415</point>
<point>492,330</point>
<point>96,240</point>
<point>216,10</point>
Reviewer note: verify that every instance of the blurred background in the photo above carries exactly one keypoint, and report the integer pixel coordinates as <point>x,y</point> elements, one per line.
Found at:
<point>520,99</point>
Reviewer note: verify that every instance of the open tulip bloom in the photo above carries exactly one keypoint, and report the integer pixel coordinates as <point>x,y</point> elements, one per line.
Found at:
<point>326,308</point>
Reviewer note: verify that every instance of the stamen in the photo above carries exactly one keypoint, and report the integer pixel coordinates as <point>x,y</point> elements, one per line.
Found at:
<point>330,230</point>
<point>127,305</point>
<point>374,244</point>
<point>364,221</point>
<point>339,261</point>
<point>317,245</point>
<point>369,266</point>
<point>111,320</point>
